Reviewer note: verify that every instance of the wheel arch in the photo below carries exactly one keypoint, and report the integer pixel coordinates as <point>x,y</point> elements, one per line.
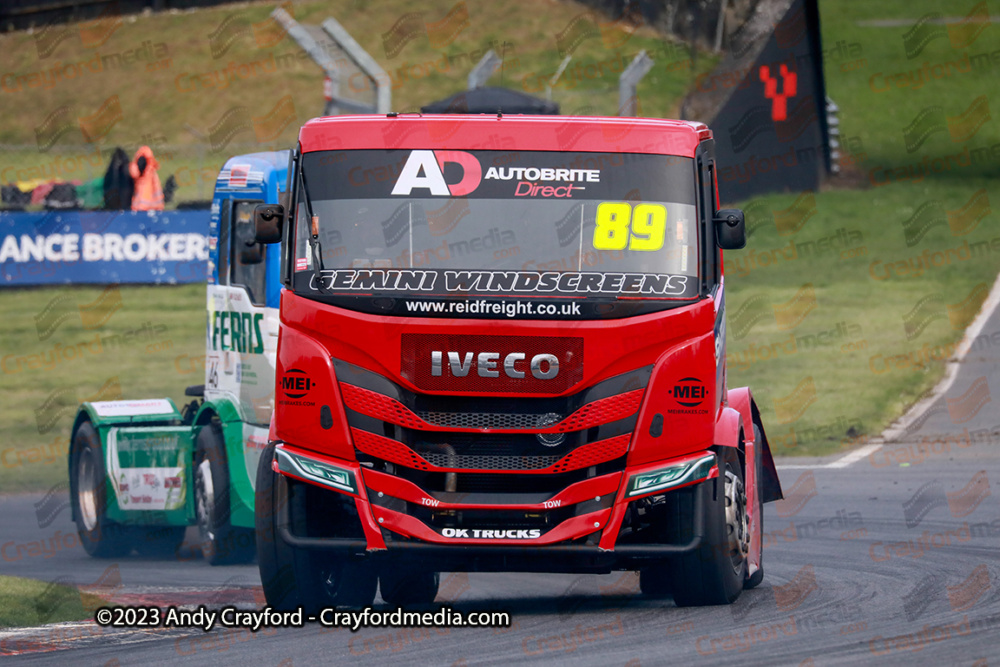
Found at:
<point>219,411</point>
<point>741,400</point>
<point>226,414</point>
<point>729,428</point>
<point>221,408</point>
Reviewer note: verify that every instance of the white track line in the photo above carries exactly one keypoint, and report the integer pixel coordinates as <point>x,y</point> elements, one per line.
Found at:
<point>951,368</point>
<point>924,404</point>
<point>844,461</point>
<point>853,457</point>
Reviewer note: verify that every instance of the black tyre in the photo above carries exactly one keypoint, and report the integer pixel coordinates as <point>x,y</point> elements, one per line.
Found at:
<point>404,586</point>
<point>754,579</point>
<point>714,574</point>
<point>158,541</point>
<point>101,537</point>
<point>294,577</point>
<point>221,542</point>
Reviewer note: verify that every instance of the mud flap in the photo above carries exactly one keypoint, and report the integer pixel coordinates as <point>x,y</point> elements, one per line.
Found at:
<point>149,474</point>
<point>770,485</point>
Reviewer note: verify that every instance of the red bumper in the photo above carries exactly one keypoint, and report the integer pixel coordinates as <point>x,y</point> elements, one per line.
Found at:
<point>582,520</point>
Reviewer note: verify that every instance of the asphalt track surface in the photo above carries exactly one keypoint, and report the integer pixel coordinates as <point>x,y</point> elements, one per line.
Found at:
<point>890,558</point>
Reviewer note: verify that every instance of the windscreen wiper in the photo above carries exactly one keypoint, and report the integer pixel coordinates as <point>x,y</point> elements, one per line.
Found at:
<point>315,247</point>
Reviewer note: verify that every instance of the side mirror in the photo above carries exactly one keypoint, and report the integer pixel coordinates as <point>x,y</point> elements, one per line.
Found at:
<point>267,220</point>
<point>730,229</point>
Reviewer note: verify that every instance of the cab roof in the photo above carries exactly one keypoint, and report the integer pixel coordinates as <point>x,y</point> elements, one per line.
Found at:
<point>253,170</point>
<point>498,132</point>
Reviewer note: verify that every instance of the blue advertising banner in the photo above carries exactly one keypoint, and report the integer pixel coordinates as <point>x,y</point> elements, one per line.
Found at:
<point>102,247</point>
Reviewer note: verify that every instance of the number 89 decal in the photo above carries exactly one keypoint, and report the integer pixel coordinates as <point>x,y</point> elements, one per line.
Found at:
<point>619,225</point>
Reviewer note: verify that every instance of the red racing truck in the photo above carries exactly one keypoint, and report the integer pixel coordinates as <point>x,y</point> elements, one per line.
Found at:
<point>502,348</point>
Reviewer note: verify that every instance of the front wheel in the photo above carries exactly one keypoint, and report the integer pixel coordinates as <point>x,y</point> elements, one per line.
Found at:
<point>101,537</point>
<point>714,573</point>
<point>293,577</point>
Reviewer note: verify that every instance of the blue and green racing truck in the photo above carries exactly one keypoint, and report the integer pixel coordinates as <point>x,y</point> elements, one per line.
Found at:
<point>142,471</point>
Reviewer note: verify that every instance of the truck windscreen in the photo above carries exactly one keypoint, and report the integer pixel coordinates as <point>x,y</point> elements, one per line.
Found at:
<point>405,227</point>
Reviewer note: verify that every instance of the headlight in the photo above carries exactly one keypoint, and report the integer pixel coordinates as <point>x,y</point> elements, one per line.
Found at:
<point>318,471</point>
<point>665,478</point>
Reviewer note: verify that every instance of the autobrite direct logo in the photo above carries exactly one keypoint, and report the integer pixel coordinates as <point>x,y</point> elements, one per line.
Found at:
<point>425,170</point>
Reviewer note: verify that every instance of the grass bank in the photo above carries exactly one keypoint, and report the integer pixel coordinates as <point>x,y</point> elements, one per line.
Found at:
<point>846,304</point>
<point>27,602</point>
<point>201,85</point>
<point>64,345</point>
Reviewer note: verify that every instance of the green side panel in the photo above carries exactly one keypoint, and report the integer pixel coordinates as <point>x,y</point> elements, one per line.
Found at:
<point>149,476</point>
<point>241,496</point>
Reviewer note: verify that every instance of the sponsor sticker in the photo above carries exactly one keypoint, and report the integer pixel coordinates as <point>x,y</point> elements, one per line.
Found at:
<point>689,393</point>
<point>145,466</point>
<point>504,282</point>
<point>154,406</point>
<point>238,175</point>
<point>295,385</point>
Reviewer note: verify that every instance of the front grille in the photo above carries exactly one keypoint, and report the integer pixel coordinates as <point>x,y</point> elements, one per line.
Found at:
<point>489,462</point>
<point>490,444</point>
<point>489,420</point>
<point>388,450</point>
<point>387,409</point>
<point>478,482</point>
<point>503,483</point>
<point>595,452</point>
<point>512,447</point>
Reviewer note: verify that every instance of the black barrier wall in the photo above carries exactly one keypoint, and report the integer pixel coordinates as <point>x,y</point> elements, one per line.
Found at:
<point>770,129</point>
